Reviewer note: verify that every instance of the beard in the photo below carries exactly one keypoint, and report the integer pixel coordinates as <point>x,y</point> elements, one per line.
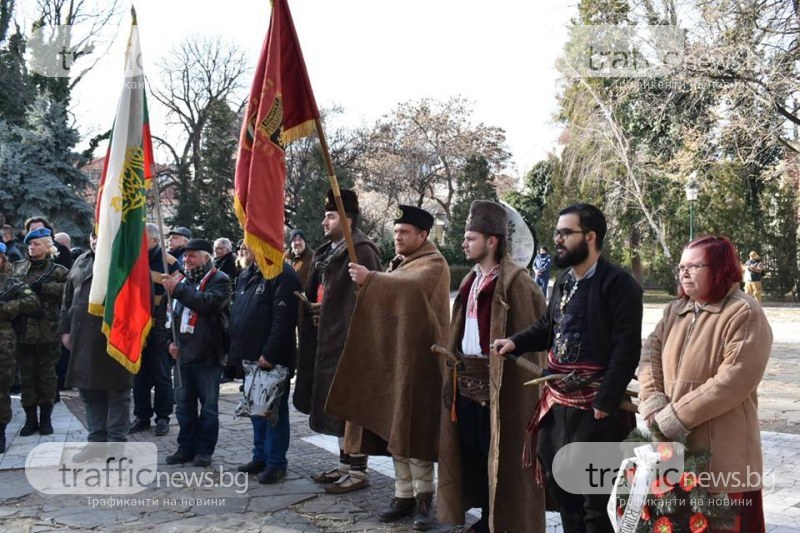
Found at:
<point>572,257</point>
<point>480,256</point>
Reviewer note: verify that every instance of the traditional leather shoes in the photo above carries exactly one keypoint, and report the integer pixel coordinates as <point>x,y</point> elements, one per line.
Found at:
<point>423,518</point>
<point>347,483</point>
<point>253,467</point>
<point>328,477</point>
<point>399,508</point>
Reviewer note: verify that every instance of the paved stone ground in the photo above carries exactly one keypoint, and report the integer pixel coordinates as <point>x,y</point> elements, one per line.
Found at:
<point>297,504</point>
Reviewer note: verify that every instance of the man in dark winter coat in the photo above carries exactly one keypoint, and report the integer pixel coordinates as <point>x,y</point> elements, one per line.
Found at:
<point>202,314</point>
<point>177,240</point>
<point>263,318</point>
<point>224,258</point>
<point>333,294</point>
<point>103,383</point>
<point>593,329</point>
<point>154,373</point>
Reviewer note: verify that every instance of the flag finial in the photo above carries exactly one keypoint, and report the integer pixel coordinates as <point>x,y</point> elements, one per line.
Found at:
<point>133,15</point>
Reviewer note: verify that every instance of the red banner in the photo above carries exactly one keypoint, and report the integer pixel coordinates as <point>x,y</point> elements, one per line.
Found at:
<point>281,109</point>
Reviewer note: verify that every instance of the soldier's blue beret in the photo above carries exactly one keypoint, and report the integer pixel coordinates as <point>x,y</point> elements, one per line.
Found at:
<point>2,248</point>
<point>38,233</point>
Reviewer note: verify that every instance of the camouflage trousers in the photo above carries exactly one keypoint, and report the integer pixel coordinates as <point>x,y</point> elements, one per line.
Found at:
<point>37,370</point>
<point>8,343</point>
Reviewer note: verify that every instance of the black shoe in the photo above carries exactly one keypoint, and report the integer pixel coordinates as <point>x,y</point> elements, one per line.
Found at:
<point>253,467</point>
<point>162,427</point>
<point>399,508</point>
<point>271,475</point>
<point>138,424</point>
<point>423,518</point>
<point>31,422</point>
<point>2,438</point>
<point>45,423</point>
<point>202,460</point>
<point>178,458</point>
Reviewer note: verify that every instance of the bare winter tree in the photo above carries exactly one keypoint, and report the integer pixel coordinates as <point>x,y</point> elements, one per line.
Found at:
<point>201,71</point>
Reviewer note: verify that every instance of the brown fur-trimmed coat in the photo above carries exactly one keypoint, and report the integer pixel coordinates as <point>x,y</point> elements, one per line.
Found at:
<point>515,503</point>
<point>388,381</point>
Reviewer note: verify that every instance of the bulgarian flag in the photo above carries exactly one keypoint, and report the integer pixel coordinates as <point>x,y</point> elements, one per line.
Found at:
<point>121,288</point>
<point>281,109</point>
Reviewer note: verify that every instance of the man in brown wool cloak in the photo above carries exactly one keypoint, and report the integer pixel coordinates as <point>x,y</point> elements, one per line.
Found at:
<point>483,426</point>
<point>388,381</point>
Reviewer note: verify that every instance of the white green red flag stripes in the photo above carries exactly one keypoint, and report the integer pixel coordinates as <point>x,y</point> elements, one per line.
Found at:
<point>121,286</point>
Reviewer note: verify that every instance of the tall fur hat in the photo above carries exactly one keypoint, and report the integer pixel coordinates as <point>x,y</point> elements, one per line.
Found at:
<point>349,200</point>
<point>489,218</point>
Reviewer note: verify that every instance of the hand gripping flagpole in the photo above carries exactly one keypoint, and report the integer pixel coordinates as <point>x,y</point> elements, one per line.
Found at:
<point>337,195</point>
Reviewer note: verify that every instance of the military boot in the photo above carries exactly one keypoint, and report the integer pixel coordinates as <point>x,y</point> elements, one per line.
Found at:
<point>31,422</point>
<point>2,438</point>
<point>45,425</point>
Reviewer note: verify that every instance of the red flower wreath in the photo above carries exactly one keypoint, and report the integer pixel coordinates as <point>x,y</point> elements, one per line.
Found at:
<point>698,523</point>
<point>645,513</point>
<point>659,487</point>
<point>688,481</point>
<point>666,451</point>
<point>663,525</point>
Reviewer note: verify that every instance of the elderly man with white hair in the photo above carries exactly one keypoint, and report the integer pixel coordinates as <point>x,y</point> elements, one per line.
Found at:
<point>224,259</point>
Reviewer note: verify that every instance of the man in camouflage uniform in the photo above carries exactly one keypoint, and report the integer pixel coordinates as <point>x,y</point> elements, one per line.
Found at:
<point>37,338</point>
<point>15,298</point>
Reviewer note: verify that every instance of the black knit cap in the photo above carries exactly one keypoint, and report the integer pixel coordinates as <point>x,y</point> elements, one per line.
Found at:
<point>297,233</point>
<point>409,214</point>
<point>349,200</point>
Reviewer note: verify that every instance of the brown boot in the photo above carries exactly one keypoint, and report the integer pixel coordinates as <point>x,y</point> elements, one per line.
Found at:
<point>31,422</point>
<point>423,518</point>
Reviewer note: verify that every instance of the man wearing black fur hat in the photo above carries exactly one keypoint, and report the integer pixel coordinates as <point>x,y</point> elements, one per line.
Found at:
<point>483,428</point>
<point>387,361</point>
<point>333,296</point>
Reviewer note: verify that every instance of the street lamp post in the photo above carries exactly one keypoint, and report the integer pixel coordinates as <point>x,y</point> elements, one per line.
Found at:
<point>691,196</point>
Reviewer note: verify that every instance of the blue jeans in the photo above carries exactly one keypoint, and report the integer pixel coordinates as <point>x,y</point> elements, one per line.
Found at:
<point>542,282</point>
<point>270,444</point>
<point>155,373</point>
<point>198,432</point>
<point>108,414</point>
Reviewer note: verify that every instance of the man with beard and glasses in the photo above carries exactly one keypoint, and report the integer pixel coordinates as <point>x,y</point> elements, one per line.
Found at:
<point>592,328</point>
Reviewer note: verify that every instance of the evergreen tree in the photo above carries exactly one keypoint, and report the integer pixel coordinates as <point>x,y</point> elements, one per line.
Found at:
<point>16,92</point>
<point>38,170</point>
<point>476,183</point>
<point>210,200</point>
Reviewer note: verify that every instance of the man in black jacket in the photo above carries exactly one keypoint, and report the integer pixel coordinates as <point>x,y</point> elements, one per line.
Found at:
<point>201,314</point>
<point>263,319</point>
<point>592,328</point>
<point>156,362</point>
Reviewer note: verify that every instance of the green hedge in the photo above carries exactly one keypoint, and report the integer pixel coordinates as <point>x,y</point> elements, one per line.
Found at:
<point>457,273</point>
